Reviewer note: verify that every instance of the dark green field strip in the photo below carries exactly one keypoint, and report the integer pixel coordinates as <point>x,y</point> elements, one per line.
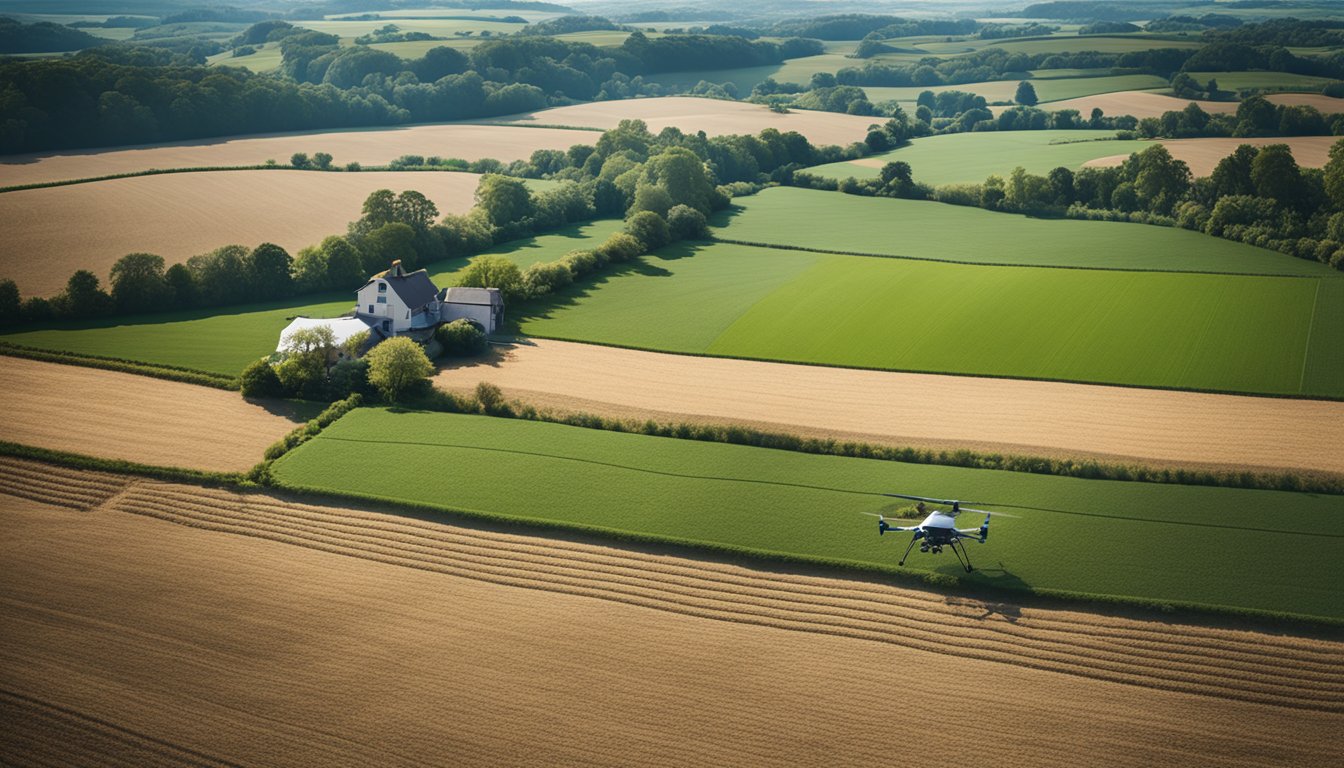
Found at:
<point>1323,370</point>
<point>1144,542</point>
<point>836,223</point>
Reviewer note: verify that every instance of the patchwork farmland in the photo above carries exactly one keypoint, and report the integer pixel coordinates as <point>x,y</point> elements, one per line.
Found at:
<point>529,384</point>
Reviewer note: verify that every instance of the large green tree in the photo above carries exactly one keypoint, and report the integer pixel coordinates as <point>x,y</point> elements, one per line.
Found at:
<point>138,283</point>
<point>396,365</point>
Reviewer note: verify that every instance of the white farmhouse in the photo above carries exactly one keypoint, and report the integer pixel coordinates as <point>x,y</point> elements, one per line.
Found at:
<point>401,303</point>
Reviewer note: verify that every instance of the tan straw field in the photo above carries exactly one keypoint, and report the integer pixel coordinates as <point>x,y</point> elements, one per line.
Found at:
<point>153,623</point>
<point>123,416</point>
<point>1202,155</point>
<point>367,147</point>
<point>50,233</point>
<point>713,116</point>
<point>1005,415</point>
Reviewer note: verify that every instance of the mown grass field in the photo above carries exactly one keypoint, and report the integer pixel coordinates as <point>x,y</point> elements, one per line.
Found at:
<point>226,339</point>
<point>1214,332</point>
<point>927,230</point>
<point>1284,81</point>
<point>964,158</point>
<point>1158,543</point>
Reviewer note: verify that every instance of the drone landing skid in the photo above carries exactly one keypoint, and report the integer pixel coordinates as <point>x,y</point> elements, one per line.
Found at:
<point>963,557</point>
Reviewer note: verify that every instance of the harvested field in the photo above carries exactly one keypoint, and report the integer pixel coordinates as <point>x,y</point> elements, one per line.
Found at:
<point>136,418</point>
<point>367,147</point>
<point>713,116</point>
<point>1143,104</point>
<point>994,415</point>
<point>245,634</point>
<point>1202,155</point>
<point>90,226</point>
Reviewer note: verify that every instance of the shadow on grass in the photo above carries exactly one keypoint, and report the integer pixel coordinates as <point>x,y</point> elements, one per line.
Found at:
<point>186,315</point>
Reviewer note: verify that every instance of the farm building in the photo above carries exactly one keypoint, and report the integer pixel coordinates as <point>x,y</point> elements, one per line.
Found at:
<point>400,303</point>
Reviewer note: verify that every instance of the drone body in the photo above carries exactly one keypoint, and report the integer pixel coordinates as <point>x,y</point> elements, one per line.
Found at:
<point>939,530</point>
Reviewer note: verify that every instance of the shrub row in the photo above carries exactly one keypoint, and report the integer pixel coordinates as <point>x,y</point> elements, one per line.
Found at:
<point>119,466</point>
<point>261,473</point>
<point>169,372</point>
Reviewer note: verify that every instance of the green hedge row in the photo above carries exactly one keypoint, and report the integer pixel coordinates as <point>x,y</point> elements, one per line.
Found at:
<point>169,372</point>
<point>261,473</point>
<point>120,466</point>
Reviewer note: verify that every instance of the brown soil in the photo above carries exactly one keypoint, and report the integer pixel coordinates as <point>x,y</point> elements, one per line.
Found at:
<point>50,233</point>
<point>121,416</point>
<point>1202,155</point>
<point>1143,104</point>
<point>371,147</point>
<point>1031,417</point>
<point>157,623</point>
<point>713,116</point>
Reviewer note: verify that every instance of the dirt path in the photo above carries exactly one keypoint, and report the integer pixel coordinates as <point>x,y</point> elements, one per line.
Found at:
<point>168,624</point>
<point>1007,415</point>
<point>122,416</point>
<point>367,147</point>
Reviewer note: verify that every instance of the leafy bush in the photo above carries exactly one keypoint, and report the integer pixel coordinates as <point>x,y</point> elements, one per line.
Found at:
<point>544,277</point>
<point>259,379</point>
<point>619,247</point>
<point>461,338</point>
<point>493,272</point>
<point>686,223</point>
<point>649,229</point>
<point>396,365</point>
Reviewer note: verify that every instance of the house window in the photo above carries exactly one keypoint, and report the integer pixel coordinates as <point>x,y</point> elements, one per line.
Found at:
<point>370,309</point>
<point>382,287</point>
<point>382,299</point>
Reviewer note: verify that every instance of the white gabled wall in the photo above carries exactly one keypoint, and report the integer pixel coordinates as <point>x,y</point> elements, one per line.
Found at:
<point>392,308</point>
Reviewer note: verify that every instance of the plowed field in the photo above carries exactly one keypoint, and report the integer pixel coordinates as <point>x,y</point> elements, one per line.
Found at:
<point>937,411</point>
<point>136,418</point>
<point>171,624</point>
<point>51,232</point>
<point>370,147</point>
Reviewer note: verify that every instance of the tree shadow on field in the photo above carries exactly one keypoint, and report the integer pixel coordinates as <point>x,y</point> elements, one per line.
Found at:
<point>297,411</point>
<point>648,265</point>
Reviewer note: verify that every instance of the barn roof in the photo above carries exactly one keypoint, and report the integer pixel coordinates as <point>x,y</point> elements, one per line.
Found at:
<point>487,297</point>
<point>342,328</point>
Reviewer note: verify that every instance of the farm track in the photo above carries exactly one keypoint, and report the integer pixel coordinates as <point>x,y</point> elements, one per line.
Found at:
<point>1223,663</point>
<point>324,635</point>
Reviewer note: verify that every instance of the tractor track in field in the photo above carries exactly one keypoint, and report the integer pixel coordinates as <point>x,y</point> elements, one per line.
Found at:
<point>1282,670</point>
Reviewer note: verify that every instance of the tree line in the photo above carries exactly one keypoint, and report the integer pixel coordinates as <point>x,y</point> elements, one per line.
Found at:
<point>678,178</point>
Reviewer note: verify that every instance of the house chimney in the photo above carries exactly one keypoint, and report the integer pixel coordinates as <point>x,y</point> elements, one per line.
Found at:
<point>396,270</point>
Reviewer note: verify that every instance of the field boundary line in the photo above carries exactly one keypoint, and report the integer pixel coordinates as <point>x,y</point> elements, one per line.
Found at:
<point>785,247</point>
<point>1311,329</point>
<point>120,466</point>
<point>223,169</point>
<point>122,365</point>
<point>849,366</point>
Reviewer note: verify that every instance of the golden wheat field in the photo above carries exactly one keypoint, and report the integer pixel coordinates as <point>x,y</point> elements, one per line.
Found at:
<point>367,147</point>
<point>135,418</point>
<point>715,117</point>
<point>51,232</point>
<point>1202,155</point>
<point>1143,104</point>
<point>157,623</point>
<point>995,415</point>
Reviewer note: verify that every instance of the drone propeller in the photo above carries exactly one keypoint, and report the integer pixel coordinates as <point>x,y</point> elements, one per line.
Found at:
<point>986,512</point>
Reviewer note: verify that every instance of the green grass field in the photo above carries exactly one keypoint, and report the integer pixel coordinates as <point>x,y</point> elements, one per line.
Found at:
<point>1162,543</point>
<point>1051,89</point>
<point>959,158</point>
<point>1214,332</point>
<point>225,340</point>
<point>917,229</point>
<point>1280,81</point>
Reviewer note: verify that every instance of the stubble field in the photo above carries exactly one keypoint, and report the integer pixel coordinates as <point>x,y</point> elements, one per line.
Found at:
<point>713,116</point>
<point>90,226</point>
<point>135,418</point>
<point>227,628</point>
<point>992,415</point>
<point>366,147</point>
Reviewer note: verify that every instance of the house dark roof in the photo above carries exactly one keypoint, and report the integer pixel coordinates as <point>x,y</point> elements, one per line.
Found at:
<point>415,289</point>
<point>486,297</point>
